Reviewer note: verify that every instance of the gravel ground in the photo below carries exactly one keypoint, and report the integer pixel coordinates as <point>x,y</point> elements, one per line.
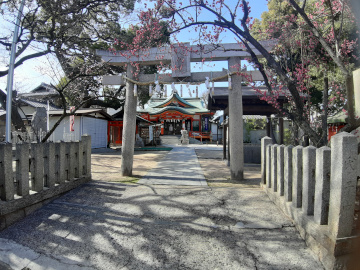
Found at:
<point>217,173</point>
<point>106,165</point>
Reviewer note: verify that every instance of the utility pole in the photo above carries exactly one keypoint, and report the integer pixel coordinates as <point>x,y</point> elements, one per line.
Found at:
<point>10,77</point>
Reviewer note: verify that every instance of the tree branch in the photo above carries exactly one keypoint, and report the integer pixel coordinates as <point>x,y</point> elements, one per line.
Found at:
<point>317,34</point>
<point>25,58</point>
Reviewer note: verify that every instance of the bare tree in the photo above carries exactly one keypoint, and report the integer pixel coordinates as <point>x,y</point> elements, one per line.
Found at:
<point>69,30</point>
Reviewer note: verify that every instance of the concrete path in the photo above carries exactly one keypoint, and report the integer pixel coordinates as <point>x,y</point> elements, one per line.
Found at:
<point>108,225</point>
<point>180,167</point>
<point>116,226</point>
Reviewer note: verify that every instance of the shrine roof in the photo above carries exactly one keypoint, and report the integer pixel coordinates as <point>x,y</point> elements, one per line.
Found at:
<point>157,105</point>
<point>252,104</point>
<point>174,97</point>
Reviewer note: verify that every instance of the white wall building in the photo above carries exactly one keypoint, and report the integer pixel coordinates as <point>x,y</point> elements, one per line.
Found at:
<point>93,122</point>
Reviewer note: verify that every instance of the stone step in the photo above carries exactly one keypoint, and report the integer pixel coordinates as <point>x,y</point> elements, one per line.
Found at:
<point>194,141</point>
<point>175,140</point>
<point>170,139</point>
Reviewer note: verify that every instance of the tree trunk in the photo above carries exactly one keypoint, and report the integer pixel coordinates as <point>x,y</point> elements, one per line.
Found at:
<point>353,123</point>
<point>297,116</point>
<point>15,116</point>
<point>54,127</point>
<point>272,134</point>
<point>350,100</point>
<point>295,134</point>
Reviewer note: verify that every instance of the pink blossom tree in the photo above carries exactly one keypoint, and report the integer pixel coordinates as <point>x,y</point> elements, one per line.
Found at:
<point>210,19</point>
<point>302,56</point>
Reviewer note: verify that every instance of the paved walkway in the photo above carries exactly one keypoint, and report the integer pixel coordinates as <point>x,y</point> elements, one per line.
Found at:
<point>180,167</point>
<point>108,225</point>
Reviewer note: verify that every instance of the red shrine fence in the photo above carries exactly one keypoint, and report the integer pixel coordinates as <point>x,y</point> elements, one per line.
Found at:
<point>320,191</point>
<point>32,174</point>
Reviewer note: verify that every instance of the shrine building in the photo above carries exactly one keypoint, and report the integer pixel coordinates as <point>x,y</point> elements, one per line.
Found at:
<point>175,113</point>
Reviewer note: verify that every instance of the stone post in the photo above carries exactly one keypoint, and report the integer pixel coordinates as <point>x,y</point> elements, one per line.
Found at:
<point>356,78</point>
<point>49,164</point>
<point>268,166</point>
<point>129,128</point>
<point>22,168</point>
<point>67,160</point>
<point>343,181</point>
<point>297,176</point>
<point>224,139</point>
<point>280,169</point>
<point>309,165</point>
<point>288,174</point>
<point>71,160</point>
<point>37,167</point>
<point>7,189</point>
<point>273,164</point>
<point>356,75</point>
<point>87,155</point>
<point>264,142</point>
<point>236,122</point>
<point>78,160</point>
<point>228,144</point>
<point>322,185</point>
<point>60,162</point>
<point>81,159</point>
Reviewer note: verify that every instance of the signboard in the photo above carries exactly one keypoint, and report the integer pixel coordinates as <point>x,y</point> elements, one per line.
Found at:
<point>206,123</point>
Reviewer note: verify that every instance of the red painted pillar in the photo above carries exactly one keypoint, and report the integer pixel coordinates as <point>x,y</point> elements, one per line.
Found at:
<point>191,126</point>
<point>162,127</point>
<point>200,124</point>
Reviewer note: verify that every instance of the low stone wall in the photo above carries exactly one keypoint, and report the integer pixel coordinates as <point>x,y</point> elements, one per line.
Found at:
<point>34,173</point>
<point>252,153</point>
<point>317,189</point>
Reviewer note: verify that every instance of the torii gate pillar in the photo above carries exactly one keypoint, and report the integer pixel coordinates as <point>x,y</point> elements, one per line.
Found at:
<point>129,128</point>
<point>236,122</point>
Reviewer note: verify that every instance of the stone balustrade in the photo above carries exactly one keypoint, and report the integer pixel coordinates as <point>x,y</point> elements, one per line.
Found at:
<point>33,173</point>
<point>316,188</point>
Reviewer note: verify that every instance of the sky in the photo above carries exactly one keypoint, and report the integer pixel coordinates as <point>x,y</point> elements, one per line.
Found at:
<point>32,73</point>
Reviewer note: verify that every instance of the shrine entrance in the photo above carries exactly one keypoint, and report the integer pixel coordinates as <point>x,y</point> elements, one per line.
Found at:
<point>175,113</point>
<point>172,127</point>
<point>115,132</point>
<point>181,55</point>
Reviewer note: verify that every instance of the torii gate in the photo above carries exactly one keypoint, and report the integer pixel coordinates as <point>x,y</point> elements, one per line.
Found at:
<point>181,56</point>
